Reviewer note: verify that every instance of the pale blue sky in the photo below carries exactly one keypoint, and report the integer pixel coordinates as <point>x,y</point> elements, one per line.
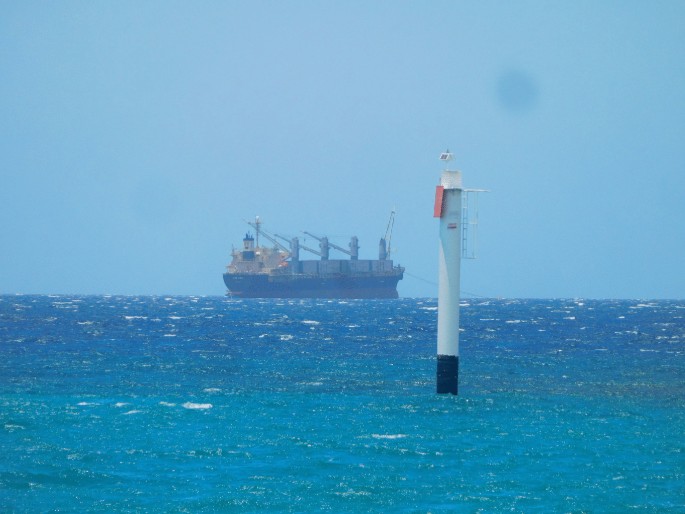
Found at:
<point>136,136</point>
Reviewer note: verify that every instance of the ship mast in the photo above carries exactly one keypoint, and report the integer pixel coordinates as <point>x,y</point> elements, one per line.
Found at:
<point>257,225</point>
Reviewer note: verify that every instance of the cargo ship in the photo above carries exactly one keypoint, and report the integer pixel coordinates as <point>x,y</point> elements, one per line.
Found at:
<point>276,271</point>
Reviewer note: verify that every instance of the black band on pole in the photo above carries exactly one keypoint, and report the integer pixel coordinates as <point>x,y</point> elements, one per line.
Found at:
<point>448,374</point>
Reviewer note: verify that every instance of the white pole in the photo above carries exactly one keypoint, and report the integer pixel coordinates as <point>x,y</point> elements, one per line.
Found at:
<point>448,209</point>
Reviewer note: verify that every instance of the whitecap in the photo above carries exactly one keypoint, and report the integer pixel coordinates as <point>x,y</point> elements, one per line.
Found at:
<point>167,404</point>
<point>352,492</point>
<point>310,322</point>
<point>191,405</point>
<point>121,404</point>
<point>285,337</point>
<point>211,390</point>
<point>388,436</point>
<point>134,411</point>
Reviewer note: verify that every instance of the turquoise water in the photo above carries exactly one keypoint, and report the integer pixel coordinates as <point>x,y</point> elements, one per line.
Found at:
<point>189,404</point>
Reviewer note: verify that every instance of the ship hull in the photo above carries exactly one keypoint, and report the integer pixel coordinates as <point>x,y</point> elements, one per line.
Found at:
<point>245,285</point>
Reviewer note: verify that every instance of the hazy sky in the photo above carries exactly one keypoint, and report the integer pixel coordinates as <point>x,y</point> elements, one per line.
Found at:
<point>136,136</point>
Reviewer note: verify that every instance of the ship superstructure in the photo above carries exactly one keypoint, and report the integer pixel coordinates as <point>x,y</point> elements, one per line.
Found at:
<point>277,271</point>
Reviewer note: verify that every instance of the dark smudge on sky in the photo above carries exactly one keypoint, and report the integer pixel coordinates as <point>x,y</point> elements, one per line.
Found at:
<point>517,91</point>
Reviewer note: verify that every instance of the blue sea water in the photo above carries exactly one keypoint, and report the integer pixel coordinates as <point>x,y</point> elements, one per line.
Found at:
<point>191,404</point>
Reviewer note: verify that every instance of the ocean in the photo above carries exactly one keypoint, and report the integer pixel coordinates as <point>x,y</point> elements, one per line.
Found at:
<point>205,404</point>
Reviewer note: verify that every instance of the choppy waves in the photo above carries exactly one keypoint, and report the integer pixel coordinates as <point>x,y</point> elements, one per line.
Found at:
<point>299,405</point>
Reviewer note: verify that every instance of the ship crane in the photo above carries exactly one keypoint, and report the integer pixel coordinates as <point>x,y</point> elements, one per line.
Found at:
<point>383,248</point>
<point>311,250</point>
<point>388,230</point>
<point>353,252</point>
<point>323,244</point>
<point>300,245</point>
<point>261,231</point>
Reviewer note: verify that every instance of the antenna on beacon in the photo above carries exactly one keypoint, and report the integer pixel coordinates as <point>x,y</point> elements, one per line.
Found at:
<point>449,208</point>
